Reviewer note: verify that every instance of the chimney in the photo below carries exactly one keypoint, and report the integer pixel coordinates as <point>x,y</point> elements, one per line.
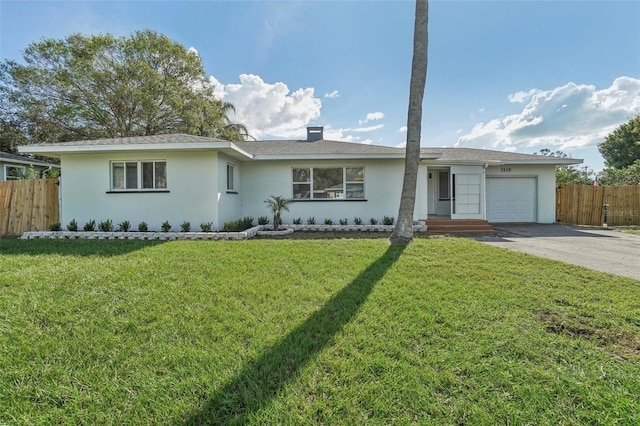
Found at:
<point>314,133</point>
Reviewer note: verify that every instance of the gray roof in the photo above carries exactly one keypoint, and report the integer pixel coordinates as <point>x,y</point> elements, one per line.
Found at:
<point>282,149</point>
<point>136,140</point>
<point>7,157</point>
<point>320,147</point>
<point>473,154</point>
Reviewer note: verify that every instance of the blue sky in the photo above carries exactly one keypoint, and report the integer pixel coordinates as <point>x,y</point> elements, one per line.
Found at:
<point>505,75</point>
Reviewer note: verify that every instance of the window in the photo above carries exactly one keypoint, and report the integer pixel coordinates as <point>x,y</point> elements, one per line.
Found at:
<point>138,175</point>
<point>231,186</point>
<point>328,183</point>
<point>443,186</point>
<point>14,172</point>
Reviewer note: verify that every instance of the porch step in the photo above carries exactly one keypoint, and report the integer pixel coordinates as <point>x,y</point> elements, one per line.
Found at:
<point>462,226</point>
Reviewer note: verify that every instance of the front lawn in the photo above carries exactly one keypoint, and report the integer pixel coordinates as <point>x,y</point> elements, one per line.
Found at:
<point>345,331</point>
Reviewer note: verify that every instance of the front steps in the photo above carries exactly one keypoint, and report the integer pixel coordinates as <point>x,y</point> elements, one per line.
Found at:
<point>461,226</point>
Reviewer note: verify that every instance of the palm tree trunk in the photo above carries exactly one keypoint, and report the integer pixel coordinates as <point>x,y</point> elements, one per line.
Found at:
<point>403,232</point>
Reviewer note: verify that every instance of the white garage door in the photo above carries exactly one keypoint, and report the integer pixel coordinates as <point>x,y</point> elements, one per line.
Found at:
<point>511,199</point>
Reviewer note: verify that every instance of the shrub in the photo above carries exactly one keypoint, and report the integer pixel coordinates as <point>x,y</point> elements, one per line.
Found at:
<point>344,221</point>
<point>373,221</point>
<point>55,227</point>
<point>238,225</point>
<point>328,221</point>
<point>297,221</point>
<point>72,226</point>
<point>166,226</point>
<point>277,203</point>
<point>311,221</point>
<point>263,220</point>
<point>124,226</point>
<point>185,226</point>
<point>206,226</point>
<point>357,221</point>
<point>106,225</point>
<point>388,220</point>
<point>142,227</point>
<point>90,226</point>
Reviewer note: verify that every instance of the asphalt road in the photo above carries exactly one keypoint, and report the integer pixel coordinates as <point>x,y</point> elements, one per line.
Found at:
<point>599,249</point>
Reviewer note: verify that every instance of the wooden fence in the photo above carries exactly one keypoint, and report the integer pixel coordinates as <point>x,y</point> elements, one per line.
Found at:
<point>584,205</point>
<point>28,205</point>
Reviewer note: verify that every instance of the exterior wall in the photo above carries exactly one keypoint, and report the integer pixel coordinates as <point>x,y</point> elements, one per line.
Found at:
<point>229,202</point>
<point>192,182</point>
<point>546,186</point>
<point>383,185</point>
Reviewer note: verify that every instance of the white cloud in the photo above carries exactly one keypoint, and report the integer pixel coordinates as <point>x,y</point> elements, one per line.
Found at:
<point>366,129</point>
<point>269,109</point>
<point>519,97</point>
<point>402,129</point>
<point>372,116</point>
<point>332,95</point>
<point>568,117</point>
<point>343,135</point>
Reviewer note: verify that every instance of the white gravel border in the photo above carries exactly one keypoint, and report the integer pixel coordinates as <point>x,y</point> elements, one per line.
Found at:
<point>262,230</point>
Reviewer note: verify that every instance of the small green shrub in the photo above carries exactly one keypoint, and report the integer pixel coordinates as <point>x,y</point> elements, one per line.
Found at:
<point>263,220</point>
<point>166,226</point>
<point>90,226</point>
<point>142,227</point>
<point>297,221</point>
<point>72,226</point>
<point>238,225</point>
<point>357,221</point>
<point>55,227</point>
<point>328,221</point>
<point>124,226</point>
<point>206,226</point>
<point>388,220</point>
<point>185,226</point>
<point>344,221</point>
<point>311,221</point>
<point>373,221</point>
<point>106,225</point>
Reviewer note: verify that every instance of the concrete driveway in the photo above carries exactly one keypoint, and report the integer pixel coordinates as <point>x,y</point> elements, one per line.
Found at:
<point>602,250</point>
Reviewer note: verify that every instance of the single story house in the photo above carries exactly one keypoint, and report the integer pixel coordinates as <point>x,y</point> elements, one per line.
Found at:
<point>179,177</point>
<point>14,166</point>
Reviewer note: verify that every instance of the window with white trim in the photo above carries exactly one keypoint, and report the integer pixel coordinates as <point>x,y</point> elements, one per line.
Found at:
<point>138,175</point>
<point>328,183</point>
<point>231,178</point>
<point>14,172</point>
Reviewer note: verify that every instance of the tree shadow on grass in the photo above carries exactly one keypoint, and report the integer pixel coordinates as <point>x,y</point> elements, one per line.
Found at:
<point>260,381</point>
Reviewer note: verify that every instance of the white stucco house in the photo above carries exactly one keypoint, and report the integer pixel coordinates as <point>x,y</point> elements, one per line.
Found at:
<point>189,178</point>
<point>14,166</point>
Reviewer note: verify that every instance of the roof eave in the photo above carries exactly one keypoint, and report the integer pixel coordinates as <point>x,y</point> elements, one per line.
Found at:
<point>59,150</point>
<point>280,157</point>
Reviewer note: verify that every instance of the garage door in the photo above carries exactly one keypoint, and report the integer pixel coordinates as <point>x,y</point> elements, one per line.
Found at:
<point>511,199</point>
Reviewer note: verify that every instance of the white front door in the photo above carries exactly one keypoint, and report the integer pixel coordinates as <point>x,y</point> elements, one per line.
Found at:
<point>467,188</point>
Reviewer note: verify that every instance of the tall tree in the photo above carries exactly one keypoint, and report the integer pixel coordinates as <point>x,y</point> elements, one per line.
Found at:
<point>621,148</point>
<point>403,232</point>
<point>86,87</point>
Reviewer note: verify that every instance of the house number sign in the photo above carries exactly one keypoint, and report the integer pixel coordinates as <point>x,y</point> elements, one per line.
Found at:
<point>505,169</point>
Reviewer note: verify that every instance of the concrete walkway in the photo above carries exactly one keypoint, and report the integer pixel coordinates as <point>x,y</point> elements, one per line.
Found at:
<point>595,248</point>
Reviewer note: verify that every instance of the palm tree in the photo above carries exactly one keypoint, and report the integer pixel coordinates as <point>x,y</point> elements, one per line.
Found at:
<point>403,232</point>
<point>276,204</point>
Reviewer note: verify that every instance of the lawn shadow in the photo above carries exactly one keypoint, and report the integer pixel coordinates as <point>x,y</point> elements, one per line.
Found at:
<point>261,380</point>
<point>79,247</point>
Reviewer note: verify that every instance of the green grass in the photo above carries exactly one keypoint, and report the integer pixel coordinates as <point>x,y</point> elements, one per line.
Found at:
<point>635,231</point>
<point>444,331</point>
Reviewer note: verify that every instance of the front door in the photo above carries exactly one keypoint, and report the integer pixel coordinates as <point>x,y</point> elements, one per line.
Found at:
<point>467,189</point>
